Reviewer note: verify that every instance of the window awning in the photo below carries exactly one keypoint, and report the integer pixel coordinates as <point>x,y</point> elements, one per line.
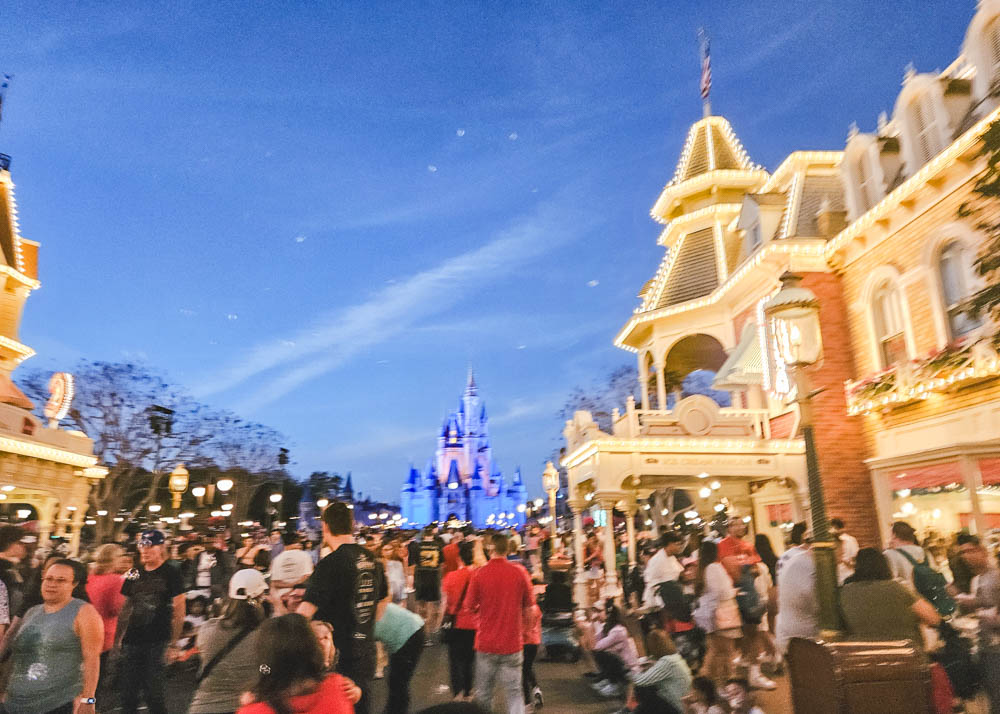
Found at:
<point>745,365</point>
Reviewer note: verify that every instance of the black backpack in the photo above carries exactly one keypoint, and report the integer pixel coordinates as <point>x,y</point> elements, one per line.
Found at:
<point>930,584</point>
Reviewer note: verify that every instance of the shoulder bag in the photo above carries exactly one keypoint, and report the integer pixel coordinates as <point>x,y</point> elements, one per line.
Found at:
<point>229,647</point>
<point>448,620</point>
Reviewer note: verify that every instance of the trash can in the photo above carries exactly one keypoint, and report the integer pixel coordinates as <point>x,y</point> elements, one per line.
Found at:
<point>858,677</point>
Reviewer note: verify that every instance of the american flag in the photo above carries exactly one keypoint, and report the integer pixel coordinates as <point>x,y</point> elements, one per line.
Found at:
<point>706,65</point>
<point>3,91</point>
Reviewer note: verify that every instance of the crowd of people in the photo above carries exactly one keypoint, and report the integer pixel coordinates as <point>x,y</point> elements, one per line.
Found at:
<point>281,623</point>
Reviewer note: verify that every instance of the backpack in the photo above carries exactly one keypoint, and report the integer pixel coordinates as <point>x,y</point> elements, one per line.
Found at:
<point>752,609</point>
<point>930,584</point>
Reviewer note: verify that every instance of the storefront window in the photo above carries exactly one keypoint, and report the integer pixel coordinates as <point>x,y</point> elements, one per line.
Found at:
<point>933,499</point>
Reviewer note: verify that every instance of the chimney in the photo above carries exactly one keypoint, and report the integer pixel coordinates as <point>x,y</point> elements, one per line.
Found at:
<point>829,221</point>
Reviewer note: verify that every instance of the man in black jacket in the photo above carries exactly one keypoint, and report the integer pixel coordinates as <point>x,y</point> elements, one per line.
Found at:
<point>215,566</point>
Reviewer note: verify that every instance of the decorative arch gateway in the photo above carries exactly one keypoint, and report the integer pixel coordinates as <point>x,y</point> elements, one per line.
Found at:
<point>696,446</point>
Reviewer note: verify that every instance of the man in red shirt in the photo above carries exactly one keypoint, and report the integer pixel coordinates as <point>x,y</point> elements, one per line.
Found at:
<point>735,554</point>
<point>501,592</point>
<point>733,545</point>
<point>450,553</point>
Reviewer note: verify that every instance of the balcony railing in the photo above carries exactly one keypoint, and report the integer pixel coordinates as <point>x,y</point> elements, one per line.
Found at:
<point>646,422</point>
<point>941,371</point>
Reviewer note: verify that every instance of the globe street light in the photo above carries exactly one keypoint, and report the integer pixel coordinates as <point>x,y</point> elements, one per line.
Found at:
<point>178,483</point>
<point>224,484</point>
<point>793,319</point>
<point>274,498</point>
<point>322,503</point>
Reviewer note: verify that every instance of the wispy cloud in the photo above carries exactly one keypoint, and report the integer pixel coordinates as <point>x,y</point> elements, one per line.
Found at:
<point>292,360</point>
<point>774,43</point>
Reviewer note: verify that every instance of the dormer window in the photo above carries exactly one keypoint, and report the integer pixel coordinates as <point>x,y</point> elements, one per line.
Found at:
<point>992,45</point>
<point>867,189</point>
<point>924,126</point>
<point>754,238</point>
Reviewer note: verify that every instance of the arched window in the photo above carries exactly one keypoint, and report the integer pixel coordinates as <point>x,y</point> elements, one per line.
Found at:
<point>957,286</point>
<point>887,322</point>
<point>925,129</point>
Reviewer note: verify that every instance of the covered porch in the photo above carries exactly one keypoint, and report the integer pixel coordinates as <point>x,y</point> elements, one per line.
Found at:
<point>722,458</point>
<point>45,474</point>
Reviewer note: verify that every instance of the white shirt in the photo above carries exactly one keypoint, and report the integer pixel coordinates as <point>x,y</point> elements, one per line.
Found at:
<point>792,552</point>
<point>902,569</point>
<point>660,569</point>
<point>206,561</point>
<point>848,547</point>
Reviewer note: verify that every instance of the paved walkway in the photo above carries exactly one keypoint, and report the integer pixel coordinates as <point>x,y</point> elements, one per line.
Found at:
<point>563,685</point>
<point>564,688</point>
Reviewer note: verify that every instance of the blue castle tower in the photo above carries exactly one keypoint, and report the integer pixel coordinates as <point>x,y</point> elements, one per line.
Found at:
<point>462,482</point>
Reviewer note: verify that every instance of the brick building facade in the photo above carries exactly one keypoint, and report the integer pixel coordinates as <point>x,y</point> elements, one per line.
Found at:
<point>908,416</point>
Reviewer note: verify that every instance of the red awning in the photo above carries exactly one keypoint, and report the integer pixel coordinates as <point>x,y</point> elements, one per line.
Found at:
<point>926,476</point>
<point>990,469</point>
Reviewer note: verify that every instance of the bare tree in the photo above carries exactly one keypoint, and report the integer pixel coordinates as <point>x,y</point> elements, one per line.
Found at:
<point>142,427</point>
<point>602,397</point>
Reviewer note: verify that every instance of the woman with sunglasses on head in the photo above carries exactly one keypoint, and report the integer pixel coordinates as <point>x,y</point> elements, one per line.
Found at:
<point>56,652</point>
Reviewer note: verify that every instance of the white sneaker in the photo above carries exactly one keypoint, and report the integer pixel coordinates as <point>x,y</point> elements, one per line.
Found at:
<point>610,690</point>
<point>758,680</point>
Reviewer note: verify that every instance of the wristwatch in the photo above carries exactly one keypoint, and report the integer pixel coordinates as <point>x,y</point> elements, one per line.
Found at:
<point>88,700</point>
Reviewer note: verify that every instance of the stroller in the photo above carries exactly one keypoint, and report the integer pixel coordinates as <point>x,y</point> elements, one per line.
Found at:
<point>558,623</point>
<point>676,619</point>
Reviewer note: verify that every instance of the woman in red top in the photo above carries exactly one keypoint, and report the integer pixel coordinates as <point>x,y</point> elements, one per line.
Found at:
<point>293,678</point>
<point>104,588</point>
<point>461,642</point>
<point>532,629</point>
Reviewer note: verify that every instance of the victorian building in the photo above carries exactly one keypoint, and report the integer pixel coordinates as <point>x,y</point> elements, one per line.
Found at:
<point>908,402</point>
<point>462,482</point>
<point>925,390</point>
<point>45,471</point>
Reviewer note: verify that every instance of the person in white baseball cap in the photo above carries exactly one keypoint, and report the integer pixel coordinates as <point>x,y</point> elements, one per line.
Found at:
<point>228,646</point>
<point>246,584</point>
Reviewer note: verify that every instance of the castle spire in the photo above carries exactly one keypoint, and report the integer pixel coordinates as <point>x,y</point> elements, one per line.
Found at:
<point>470,384</point>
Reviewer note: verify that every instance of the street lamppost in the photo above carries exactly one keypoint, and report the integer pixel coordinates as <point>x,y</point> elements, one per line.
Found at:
<point>178,483</point>
<point>275,499</point>
<point>793,317</point>
<point>550,482</point>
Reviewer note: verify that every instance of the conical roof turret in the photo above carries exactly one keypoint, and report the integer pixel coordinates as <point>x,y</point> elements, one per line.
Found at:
<point>713,157</point>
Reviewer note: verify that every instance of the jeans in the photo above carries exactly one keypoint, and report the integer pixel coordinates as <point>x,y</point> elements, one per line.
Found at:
<point>402,664</point>
<point>528,681</point>
<point>989,663</point>
<point>505,670</point>
<point>462,661</point>
<point>143,671</point>
<point>360,669</point>
<point>611,667</point>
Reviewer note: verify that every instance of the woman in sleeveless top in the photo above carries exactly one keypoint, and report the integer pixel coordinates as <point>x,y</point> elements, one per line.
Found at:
<point>56,652</point>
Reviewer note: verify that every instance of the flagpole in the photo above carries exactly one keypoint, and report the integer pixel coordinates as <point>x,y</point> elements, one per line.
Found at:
<point>706,72</point>
<point>4,83</point>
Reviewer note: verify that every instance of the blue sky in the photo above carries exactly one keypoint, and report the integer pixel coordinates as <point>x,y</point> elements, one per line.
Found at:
<point>319,214</point>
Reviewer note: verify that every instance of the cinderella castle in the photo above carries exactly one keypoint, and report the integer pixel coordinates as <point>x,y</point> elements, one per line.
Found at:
<point>462,482</point>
